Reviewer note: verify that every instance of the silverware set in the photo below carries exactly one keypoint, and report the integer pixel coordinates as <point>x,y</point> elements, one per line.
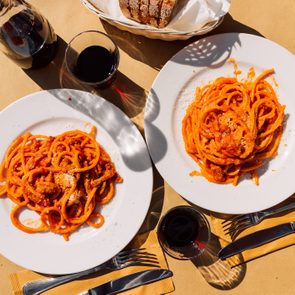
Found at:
<point>238,223</point>
<point>234,225</point>
<point>257,239</point>
<point>122,260</point>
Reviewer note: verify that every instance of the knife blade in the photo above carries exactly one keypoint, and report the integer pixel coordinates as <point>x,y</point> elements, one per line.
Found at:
<point>129,282</point>
<point>257,239</point>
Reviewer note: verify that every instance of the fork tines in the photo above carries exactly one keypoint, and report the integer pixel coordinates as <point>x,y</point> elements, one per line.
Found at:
<point>236,224</point>
<point>137,256</point>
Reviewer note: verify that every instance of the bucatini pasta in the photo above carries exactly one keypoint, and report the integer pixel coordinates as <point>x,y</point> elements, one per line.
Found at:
<point>65,179</point>
<point>232,126</point>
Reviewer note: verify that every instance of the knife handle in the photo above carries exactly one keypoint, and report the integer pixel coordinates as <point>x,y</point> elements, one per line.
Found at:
<point>37,287</point>
<point>270,212</point>
<point>273,233</point>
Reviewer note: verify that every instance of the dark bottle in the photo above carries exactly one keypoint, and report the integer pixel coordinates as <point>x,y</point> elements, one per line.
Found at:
<point>25,35</point>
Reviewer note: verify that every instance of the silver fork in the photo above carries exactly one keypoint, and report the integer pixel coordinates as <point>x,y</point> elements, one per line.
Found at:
<point>233,226</point>
<point>121,260</point>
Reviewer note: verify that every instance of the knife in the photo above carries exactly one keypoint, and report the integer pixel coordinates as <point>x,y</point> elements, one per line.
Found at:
<point>129,282</point>
<point>257,239</point>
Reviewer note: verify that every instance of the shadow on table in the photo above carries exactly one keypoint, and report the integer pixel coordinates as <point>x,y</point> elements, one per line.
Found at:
<point>158,144</point>
<point>218,273</point>
<point>48,77</point>
<point>156,206</point>
<point>156,53</point>
<point>123,93</point>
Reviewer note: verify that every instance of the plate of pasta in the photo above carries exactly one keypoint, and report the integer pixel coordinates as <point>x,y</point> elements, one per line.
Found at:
<point>225,122</point>
<point>73,167</point>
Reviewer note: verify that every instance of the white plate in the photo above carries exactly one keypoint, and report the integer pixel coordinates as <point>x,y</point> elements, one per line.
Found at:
<point>52,112</point>
<point>173,91</point>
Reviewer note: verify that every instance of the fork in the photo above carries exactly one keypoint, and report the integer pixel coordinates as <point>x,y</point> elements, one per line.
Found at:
<point>121,260</point>
<point>234,225</point>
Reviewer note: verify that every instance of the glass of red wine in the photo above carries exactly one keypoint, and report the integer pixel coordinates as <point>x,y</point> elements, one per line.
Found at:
<point>92,58</point>
<point>184,232</point>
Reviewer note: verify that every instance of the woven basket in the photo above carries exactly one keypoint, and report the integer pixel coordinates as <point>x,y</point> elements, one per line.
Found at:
<point>151,32</point>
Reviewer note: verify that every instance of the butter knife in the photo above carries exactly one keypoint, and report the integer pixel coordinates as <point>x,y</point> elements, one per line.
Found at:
<point>129,282</point>
<point>257,239</point>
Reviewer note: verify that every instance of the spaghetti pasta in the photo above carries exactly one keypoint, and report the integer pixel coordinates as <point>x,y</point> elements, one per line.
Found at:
<point>232,126</point>
<point>65,179</point>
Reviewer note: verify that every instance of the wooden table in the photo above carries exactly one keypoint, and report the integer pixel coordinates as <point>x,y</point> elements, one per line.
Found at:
<point>272,274</point>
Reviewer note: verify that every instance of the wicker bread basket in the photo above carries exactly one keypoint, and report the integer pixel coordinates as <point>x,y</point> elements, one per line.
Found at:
<point>151,32</point>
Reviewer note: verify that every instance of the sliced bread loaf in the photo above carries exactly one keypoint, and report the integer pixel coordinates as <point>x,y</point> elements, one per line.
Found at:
<point>157,13</point>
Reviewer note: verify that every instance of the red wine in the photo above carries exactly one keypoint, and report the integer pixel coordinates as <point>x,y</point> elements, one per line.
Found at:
<point>95,64</point>
<point>179,227</point>
<point>29,39</point>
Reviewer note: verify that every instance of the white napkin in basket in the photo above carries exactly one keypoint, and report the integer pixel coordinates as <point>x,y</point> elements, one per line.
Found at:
<point>193,16</point>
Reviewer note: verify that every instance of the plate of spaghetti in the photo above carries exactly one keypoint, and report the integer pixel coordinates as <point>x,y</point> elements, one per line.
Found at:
<point>225,122</point>
<point>69,178</point>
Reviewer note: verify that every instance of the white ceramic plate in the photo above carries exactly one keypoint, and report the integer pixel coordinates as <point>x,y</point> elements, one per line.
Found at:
<point>173,91</point>
<point>52,112</point>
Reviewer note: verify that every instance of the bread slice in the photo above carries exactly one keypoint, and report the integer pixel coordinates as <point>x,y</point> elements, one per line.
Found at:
<point>124,6</point>
<point>144,11</point>
<point>134,10</point>
<point>154,12</point>
<point>166,12</point>
<point>157,13</point>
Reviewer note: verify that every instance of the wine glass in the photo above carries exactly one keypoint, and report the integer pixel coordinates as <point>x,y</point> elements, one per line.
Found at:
<point>184,232</point>
<point>92,59</point>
